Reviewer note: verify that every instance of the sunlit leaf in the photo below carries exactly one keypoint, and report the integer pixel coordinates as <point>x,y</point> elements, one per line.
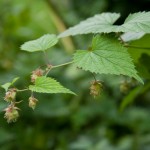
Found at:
<point>48,85</point>
<point>106,56</point>
<point>101,23</point>
<point>40,44</point>
<point>137,22</point>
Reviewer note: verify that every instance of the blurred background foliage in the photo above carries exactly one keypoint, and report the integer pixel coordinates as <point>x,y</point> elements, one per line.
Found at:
<point>113,121</point>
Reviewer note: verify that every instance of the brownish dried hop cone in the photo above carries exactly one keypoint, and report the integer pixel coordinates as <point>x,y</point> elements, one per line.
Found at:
<point>36,73</point>
<point>32,102</point>
<point>10,95</point>
<point>11,113</point>
<point>95,88</point>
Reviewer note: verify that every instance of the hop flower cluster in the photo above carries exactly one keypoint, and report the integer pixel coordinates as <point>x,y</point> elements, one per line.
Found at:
<point>36,73</point>
<point>95,88</point>
<point>10,95</point>
<point>32,102</point>
<point>11,113</point>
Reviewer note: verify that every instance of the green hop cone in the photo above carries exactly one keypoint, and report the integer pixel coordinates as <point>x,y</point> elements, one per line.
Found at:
<point>10,95</point>
<point>32,102</point>
<point>11,113</point>
<point>95,88</point>
<point>36,73</point>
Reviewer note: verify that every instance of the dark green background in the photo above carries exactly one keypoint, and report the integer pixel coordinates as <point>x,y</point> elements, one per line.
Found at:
<point>61,121</point>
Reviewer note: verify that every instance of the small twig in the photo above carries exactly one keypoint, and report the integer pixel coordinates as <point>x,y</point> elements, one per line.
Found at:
<point>49,69</point>
<point>46,58</point>
<point>147,48</point>
<point>62,65</point>
<point>94,76</point>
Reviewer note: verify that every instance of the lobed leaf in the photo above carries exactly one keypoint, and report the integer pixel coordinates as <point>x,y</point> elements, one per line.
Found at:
<point>40,44</point>
<point>106,56</point>
<point>48,85</point>
<point>101,23</point>
<point>137,22</point>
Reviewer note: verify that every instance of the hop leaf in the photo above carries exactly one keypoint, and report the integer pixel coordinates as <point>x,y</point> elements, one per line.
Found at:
<point>106,56</point>
<point>98,24</point>
<point>137,22</point>
<point>40,44</point>
<point>7,85</point>
<point>48,85</point>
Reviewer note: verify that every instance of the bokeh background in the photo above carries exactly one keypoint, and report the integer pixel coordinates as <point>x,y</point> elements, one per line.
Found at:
<point>113,121</point>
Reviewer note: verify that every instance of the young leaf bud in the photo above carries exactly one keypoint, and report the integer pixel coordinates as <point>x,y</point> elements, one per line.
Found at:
<point>11,113</point>
<point>95,88</point>
<point>32,102</point>
<point>35,74</point>
<point>10,95</point>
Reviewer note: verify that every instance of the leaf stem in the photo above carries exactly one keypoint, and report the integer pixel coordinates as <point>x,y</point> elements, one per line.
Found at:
<point>62,65</point>
<point>46,58</point>
<point>94,76</point>
<point>147,48</point>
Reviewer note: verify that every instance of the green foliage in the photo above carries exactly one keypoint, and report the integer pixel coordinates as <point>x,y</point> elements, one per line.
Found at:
<point>48,85</point>
<point>106,56</point>
<point>133,94</point>
<point>138,47</point>
<point>7,85</point>
<point>40,44</point>
<point>65,121</point>
<point>137,22</point>
<point>101,23</point>
<point>131,36</point>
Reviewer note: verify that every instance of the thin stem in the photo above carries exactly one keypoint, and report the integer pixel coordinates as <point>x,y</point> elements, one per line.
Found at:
<point>52,67</point>
<point>48,71</point>
<point>46,58</point>
<point>62,65</point>
<point>94,76</point>
<point>147,48</point>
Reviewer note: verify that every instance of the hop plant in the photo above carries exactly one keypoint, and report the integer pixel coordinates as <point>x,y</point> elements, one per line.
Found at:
<point>95,88</point>
<point>11,113</point>
<point>32,102</point>
<point>10,95</point>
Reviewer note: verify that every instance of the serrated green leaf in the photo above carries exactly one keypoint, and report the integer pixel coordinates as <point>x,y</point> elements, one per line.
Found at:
<point>137,22</point>
<point>106,56</point>
<point>101,23</point>
<point>7,85</point>
<point>40,44</point>
<point>48,85</point>
<point>131,36</point>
